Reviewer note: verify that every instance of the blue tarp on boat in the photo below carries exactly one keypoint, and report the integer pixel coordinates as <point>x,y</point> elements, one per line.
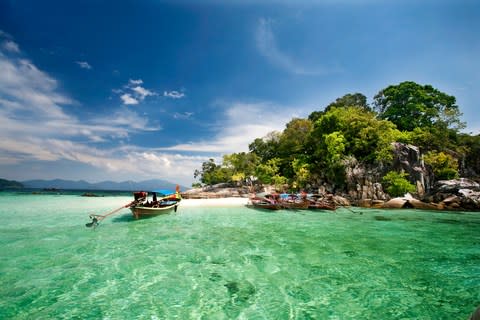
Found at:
<point>163,192</point>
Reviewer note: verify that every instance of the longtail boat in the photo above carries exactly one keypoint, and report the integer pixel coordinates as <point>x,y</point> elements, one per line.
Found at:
<point>321,202</point>
<point>265,201</point>
<point>153,203</point>
<point>294,201</point>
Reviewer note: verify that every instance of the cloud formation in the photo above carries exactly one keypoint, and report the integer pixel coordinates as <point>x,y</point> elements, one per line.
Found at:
<point>84,65</point>
<point>30,97</point>
<point>35,126</point>
<point>240,125</point>
<point>173,94</point>
<point>10,46</point>
<point>133,93</point>
<point>128,99</point>
<point>267,46</point>
<point>183,115</point>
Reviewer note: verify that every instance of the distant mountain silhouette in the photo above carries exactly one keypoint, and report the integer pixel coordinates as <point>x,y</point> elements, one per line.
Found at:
<point>10,184</point>
<point>104,185</point>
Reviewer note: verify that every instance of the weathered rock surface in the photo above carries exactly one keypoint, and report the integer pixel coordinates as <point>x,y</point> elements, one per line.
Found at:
<point>341,201</point>
<point>362,182</point>
<point>407,158</point>
<point>457,194</point>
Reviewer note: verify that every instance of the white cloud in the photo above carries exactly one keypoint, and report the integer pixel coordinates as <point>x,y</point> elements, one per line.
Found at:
<point>142,93</point>
<point>84,65</point>
<point>267,46</point>
<point>127,118</point>
<point>135,82</point>
<point>132,93</point>
<point>173,94</point>
<point>241,124</point>
<point>23,87</point>
<point>128,99</point>
<point>183,115</point>
<point>34,125</point>
<point>11,46</point>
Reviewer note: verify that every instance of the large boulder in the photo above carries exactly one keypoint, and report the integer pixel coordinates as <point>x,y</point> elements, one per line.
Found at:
<point>456,194</point>
<point>409,202</point>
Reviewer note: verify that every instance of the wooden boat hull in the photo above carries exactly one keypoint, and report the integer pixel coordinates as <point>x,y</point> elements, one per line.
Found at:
<point>145,212</point>
<point>322,206</point>
<point>295,205</point>
<point>260,204</point>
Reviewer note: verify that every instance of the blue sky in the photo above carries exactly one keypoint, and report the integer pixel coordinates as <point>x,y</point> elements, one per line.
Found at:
<point>117,90</point>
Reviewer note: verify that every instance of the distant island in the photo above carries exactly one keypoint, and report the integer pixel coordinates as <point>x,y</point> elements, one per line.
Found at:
<point>10,184</point>
<point>84,185</point>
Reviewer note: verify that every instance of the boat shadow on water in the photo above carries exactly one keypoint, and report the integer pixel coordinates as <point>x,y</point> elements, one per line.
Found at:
<point>123,218</point>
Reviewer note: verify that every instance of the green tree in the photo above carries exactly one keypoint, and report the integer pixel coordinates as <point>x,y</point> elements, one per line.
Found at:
<point>302,173</point>
<point>396,184</point>
<point>365,137</point>
<point>212,173</point>
<point>410,105</point>
<point>444,165</point>
<point>348,100</point>
<point>292,144</point>
<point>266,148</point>
<point>242,164</point>
<point>268,173</point>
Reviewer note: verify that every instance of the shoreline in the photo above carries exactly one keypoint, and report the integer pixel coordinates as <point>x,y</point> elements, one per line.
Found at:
<point>215,202</point>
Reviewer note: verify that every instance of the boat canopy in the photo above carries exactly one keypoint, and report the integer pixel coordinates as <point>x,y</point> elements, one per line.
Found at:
<point>163,192</point>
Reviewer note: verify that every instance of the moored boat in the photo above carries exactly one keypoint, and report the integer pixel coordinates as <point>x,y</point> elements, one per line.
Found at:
<point>265,204</point>
<point>294,201</point>
<point>321,202</point>
<point>266,201</point>
<point>153,203</point>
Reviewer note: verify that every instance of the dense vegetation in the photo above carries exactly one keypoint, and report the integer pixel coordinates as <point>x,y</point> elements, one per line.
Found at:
<point>7,184</point>
<point>313,151</point>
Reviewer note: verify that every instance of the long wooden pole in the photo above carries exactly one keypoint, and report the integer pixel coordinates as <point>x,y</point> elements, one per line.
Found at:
<point>96,218</point>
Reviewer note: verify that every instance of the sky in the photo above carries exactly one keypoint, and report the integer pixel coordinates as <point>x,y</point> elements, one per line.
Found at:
<point>150,89</point>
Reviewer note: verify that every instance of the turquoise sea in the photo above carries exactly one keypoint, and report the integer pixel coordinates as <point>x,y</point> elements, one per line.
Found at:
<point>229,263</point>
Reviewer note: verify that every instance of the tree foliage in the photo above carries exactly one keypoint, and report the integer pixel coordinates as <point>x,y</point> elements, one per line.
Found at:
<point>314,149</point>
<point>212,173</point>
<point>409,105</point>
<point>348,100</point>
<point>396,184</point>
<point>444,165</point>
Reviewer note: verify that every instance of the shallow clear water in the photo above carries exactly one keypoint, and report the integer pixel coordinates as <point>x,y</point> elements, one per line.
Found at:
<point>226,263</point>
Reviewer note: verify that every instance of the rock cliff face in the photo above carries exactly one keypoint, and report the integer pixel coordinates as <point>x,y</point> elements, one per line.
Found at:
<point>407,158</point>
<point>364,182</point>
<point>364,188</point>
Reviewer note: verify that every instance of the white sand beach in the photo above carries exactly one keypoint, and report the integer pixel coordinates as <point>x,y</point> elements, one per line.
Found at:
<point>217,202</point>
